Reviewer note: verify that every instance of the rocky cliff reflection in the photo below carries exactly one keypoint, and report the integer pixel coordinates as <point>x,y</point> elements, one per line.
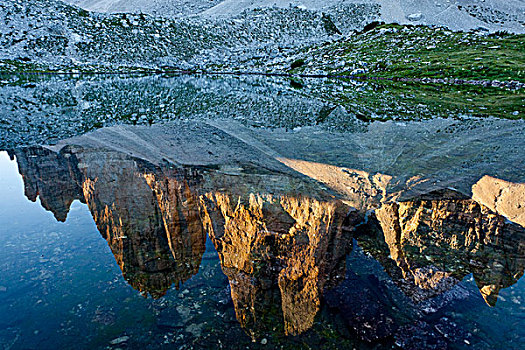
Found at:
<point>282,239</point>
<point>278,250</point>
<point>150,221</point>
<point>432,242</point>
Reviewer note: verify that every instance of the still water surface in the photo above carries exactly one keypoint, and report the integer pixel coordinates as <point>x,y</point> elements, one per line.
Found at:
<point>215,233</point>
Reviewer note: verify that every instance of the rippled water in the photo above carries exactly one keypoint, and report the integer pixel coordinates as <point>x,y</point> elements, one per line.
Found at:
<point>269,227</point>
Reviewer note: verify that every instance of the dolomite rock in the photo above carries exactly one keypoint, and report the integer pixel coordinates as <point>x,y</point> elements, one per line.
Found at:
<point>430,243</point>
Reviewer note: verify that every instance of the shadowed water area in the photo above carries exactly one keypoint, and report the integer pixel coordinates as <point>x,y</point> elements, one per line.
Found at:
<point>249,212</point>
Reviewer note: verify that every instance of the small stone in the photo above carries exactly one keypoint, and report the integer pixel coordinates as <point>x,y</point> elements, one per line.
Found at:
<point>195,329</point>
<point>415,16</point>
<point>264,341</point>
<point>3,289</point>
<point>358,71</point>
<point>119,340</point>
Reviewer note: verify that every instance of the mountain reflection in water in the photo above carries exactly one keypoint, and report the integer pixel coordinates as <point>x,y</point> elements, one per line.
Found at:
<point>282,238</point>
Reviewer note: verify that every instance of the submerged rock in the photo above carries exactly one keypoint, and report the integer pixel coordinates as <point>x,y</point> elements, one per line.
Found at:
<point>119,340</point>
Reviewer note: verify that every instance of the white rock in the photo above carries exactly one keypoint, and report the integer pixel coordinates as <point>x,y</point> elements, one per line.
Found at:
<point>119,340</point>
<point>358,71</point>
<point>415,16</point>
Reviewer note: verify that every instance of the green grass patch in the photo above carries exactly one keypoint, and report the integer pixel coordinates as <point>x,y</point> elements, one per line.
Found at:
<point>387,100</point>
<point>418,51</point>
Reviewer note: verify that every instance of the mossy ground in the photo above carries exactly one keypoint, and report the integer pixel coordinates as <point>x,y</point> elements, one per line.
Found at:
<point>392,50</point>
<point>412,101</point>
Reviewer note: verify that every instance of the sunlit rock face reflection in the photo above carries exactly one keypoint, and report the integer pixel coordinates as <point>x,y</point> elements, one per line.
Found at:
<point>179,208</point>
<point>359,189</point>
<point>503,197</point>
<point>278,250</point>
<point>435,240</point>
<point>282,235</point>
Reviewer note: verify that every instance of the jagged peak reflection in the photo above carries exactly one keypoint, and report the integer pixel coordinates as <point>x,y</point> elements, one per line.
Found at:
<point>278,247</point>
<point>437,239</point>
<point>282,239</point>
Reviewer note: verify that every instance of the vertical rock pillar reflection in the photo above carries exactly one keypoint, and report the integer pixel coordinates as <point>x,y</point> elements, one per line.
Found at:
<point>277,250</point>
<point>437,239</point>
<point>281,240</point>
<point>151,222</point>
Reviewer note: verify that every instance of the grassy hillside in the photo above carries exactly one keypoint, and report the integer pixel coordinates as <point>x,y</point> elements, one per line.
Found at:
<point>391,50</point>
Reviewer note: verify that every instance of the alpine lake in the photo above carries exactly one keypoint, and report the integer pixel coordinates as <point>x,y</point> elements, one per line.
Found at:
<point>246,212</point>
